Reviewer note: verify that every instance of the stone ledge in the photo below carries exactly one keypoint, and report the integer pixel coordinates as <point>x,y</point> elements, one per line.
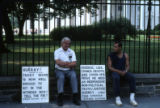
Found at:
<point>147,75</point>
<point>138,76</point>
<point>147,84</point>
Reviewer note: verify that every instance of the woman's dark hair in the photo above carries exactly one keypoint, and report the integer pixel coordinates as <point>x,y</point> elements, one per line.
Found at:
<point>119,43</point>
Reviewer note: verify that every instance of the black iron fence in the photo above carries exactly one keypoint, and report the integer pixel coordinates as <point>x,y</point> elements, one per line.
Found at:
<point>37,27</point>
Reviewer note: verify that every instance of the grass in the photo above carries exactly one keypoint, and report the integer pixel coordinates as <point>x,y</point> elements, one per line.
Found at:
<point>87,52</point>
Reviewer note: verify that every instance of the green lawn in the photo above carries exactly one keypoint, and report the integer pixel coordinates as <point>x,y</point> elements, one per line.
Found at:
<point>87,52</point>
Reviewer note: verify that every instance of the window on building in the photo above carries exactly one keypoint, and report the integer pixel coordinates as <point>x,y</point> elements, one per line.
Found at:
<point>45,23</point>
<point>138,26</point>
<point>119,8</point>
<point>105,7</point>
<point>139,8</point>
<point>30,24</point>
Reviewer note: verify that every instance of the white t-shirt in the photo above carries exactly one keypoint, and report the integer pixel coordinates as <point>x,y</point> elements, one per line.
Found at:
<point>66,56</point>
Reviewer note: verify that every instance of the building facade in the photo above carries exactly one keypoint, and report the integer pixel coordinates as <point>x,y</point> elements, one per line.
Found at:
<point>135,11</point>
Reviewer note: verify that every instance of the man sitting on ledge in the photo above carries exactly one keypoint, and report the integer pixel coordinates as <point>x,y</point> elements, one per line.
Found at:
<point>65,61</point>
<point>118,64</point>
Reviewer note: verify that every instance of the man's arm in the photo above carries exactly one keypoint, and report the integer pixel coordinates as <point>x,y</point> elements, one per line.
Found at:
<point>65,64</point>
<point>109,64</point>
<point>71,64</point>
<point>57,61</point>
<point>61,63</point>
<point>127,62</point>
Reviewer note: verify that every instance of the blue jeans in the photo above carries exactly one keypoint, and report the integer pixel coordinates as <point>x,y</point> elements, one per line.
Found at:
<point>116,82</point>
<point>61,75</point>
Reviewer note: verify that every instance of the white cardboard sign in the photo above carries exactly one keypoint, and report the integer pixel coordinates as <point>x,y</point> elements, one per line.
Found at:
<point>35,81</point>
<point>93,82</point>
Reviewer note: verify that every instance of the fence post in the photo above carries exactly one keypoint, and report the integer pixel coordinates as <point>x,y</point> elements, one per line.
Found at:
<point>32,26</point>
<point>148,35</point>
<point>1,40</point>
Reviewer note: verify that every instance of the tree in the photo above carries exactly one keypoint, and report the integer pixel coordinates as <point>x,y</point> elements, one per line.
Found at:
<point>119,28</point>
<point>6,21</point>
<point>25,9</point>
<point>63,8</point>
<point>1,39</point>
<point>156,30</point>
<point>123,27</point>
<point>2,47</point>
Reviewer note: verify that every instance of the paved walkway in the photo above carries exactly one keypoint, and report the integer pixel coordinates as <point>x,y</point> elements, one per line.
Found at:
<point>144,102</point>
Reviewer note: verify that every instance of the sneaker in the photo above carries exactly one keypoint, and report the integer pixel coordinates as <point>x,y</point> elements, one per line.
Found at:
<point>118,101</point>
<point>60,99</point>
<point>76,100</point>
<point>132,100</point>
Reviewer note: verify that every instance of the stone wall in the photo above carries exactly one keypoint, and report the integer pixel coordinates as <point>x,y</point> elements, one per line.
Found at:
<point>147,85</point>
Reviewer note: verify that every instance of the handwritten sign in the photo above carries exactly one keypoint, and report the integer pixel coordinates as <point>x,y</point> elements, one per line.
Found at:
<point>35,83</point>
<point>93,82</point>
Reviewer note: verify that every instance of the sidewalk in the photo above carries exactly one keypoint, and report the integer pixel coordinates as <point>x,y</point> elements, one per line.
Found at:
<point>144,102</point>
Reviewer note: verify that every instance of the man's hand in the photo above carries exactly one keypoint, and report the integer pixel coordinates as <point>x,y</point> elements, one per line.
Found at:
<point>66,64</point>
<point>122,73</point>
<point>70,64</point>
<point>63,64</point>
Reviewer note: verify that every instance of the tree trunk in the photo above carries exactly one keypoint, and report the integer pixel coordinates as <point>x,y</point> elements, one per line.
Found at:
<point>21,25</point>
<point>1,39</point>
<point>2,47</point>
<point>7,27</point>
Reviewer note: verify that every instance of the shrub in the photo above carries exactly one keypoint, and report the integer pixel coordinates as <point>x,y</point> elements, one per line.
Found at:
<point>120,28</point>
<point>156,30</point>
<point>88,33</point>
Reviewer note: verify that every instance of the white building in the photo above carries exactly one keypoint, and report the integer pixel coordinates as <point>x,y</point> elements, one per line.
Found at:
<point>135,11</point>
<point>138,14</point>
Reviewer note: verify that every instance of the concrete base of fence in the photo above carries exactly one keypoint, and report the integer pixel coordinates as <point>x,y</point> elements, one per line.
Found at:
<point>147,84</point>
